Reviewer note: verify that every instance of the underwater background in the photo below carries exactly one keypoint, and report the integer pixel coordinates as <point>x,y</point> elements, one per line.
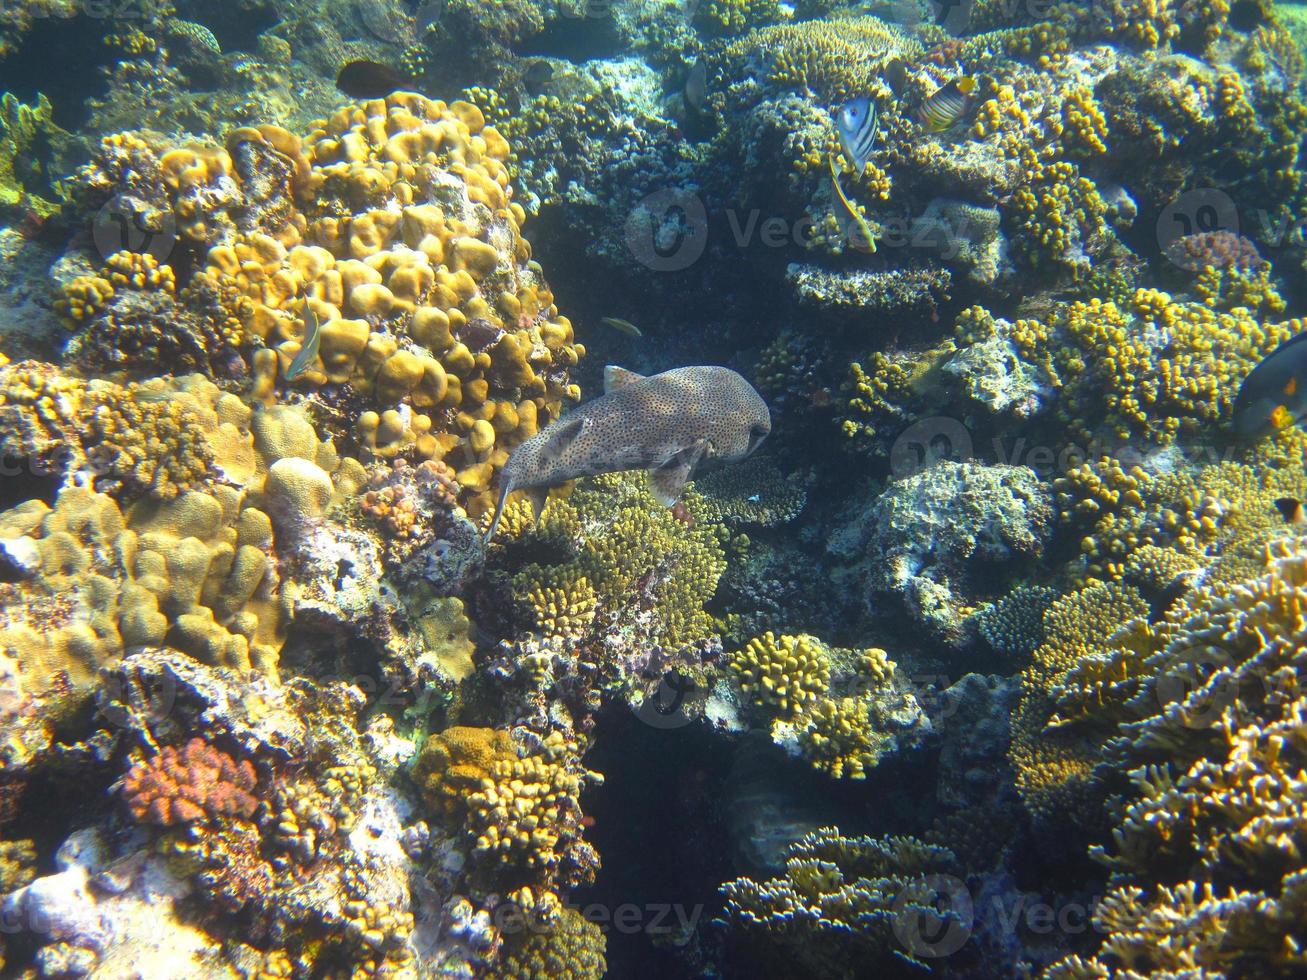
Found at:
<point>985,664</point>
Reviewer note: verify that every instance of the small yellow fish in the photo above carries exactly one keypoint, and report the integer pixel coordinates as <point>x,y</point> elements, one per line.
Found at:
<point>947,105</point>
<point>854,227</point>
<point>622,326</point>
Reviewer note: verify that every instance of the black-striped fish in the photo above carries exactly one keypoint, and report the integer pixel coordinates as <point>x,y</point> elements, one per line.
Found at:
<point>947,105</point>
<point>857,124</point>
<point>308,352</point>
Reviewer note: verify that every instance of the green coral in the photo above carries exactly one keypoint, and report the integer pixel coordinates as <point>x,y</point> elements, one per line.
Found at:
<point>29,142</point>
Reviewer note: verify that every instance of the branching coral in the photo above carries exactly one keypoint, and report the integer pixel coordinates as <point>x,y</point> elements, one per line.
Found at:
<point>1207,849</point>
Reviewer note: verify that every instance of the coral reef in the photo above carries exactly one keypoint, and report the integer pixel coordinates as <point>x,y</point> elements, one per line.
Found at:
<point>1005,618</point>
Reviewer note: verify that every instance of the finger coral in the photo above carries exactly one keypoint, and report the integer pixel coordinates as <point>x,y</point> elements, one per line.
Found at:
<point>784,673</point>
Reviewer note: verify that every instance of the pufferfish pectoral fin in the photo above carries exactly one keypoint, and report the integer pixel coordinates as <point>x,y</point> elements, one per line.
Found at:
<point>669,479</point>
<point>616,377</point>
<point>561,435</point>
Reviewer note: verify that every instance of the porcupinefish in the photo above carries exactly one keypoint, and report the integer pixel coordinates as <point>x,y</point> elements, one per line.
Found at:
<point>1274,395</point>
<point>671,424</point>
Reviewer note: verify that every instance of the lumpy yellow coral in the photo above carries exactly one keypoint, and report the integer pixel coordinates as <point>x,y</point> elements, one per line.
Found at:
<point>407,246</point>
<point>784,673</point>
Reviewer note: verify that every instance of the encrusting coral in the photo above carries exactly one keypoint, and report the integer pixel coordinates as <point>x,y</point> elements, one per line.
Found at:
<point>194,782</point>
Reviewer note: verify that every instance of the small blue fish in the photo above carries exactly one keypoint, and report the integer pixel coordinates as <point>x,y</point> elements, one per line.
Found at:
<point>857,124</point>
<point>308,352</point>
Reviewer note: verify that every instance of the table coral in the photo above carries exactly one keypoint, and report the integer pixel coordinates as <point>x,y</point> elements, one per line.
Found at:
<point>838,899</point>
<point>194,782</point>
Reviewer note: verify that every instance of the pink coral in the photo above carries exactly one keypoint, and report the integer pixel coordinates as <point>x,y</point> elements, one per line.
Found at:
<point>188,784</point>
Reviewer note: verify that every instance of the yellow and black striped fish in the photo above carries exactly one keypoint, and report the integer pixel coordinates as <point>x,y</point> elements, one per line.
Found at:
<point>947,105</point>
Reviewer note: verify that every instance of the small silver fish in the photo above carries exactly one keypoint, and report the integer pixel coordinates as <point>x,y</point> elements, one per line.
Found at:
<point>857,124</point>
<point>308,352</point>
<point>671,424</point>
<point>947,104</point>
<point>696,85</point>
<point>622,326</point>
